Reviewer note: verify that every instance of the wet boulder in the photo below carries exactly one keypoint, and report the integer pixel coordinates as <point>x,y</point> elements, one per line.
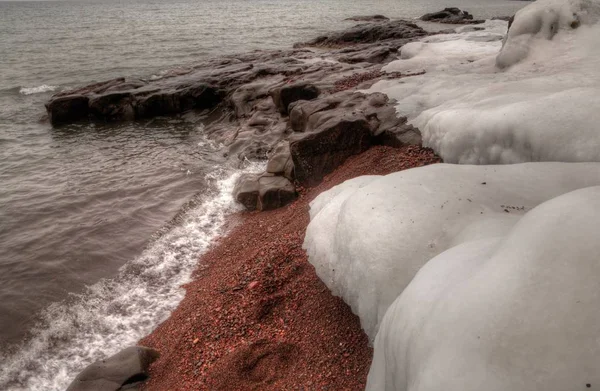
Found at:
<point>284,96</point>
<point>274,192</point>
<point>264,192</point>
<point>246,191</point>
<point>124,370</point>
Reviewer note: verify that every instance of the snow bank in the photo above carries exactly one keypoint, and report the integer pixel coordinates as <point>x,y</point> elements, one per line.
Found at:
<point>540,22</point>
<point>513,312</point>
<point>369,237</point>
<point>544,105</point>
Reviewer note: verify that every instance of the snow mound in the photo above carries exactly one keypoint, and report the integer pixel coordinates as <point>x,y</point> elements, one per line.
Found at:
<point>517,311</point>
<point>544,106</point>
<point>542,20</point>
<point>369,237</point>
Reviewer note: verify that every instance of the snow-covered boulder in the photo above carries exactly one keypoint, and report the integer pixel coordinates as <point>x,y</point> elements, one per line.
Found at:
<point>369,236</point>
<point>545,106</point>
<point>517,311</point>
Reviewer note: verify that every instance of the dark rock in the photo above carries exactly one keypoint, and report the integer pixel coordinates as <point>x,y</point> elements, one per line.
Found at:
<point>510,22</point>
<point>67,109</point>
<point>398,136</point>
<point>264,192</point>
<point>370,32</point>
<point>113,106</point>
<point>246,191</point>
<point>340,125</point>
<point>121,371</point>
<point>284,96</point>
<point>451,16</point>
<point>170,102</point>
<point>317,153</point>
<point>368,18</point>
<point>275,192</point>
<point>504,18</point>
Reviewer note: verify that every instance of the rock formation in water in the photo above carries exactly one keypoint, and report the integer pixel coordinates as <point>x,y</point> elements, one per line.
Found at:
<point>451,15</point>
<point>368,18</point>
<point>293,107</point>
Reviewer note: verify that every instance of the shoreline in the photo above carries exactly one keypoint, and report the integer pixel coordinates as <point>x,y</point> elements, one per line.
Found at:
<point>256,316</point>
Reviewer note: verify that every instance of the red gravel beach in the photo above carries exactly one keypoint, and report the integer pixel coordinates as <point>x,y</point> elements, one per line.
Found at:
<point>256,316</point>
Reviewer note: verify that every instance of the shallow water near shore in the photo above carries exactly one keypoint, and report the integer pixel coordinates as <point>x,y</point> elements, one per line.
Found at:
<point>99,225</point>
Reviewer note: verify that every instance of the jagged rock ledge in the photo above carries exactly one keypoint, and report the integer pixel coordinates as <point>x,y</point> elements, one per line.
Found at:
<point>298,107</point>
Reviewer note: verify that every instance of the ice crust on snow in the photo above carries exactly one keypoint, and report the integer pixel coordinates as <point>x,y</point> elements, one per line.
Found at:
<point>369,236</point>
<point>543,105</point>
<point>513,312</point>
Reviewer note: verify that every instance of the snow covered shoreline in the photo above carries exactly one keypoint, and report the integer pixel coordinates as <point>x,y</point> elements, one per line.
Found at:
<point>481,276</point>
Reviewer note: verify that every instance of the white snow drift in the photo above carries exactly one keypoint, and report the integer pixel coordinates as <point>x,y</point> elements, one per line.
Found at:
<point>369,236</point>
<point>537,98</point>
<point>514,312</point>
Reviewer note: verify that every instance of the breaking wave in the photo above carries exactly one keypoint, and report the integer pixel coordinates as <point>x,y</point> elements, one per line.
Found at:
<point>117,312</point>
<point>37,90</point>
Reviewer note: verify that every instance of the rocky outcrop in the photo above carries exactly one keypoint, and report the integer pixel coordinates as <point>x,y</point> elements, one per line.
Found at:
<point>231,81</point>
<point>124,370</point>
<point>451,16</point>
<point>331,129</point>
<point>369,33</point>
<point>126,101</point>
<point>295,108</point>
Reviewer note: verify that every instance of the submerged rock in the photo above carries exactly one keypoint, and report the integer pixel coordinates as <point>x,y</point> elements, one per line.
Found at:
<point>368,18</point>
<point>124,370</point>
<point>451,15</point>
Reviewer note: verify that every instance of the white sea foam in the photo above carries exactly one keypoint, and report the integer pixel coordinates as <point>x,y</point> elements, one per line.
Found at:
<point>37,90</point>
<point>117,312</point>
